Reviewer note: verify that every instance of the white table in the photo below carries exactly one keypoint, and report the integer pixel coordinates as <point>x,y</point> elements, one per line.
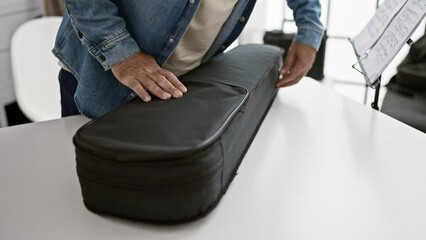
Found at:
<point>321,167</point>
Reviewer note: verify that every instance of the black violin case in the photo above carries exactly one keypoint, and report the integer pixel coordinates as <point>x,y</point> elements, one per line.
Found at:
<point>172,161</point>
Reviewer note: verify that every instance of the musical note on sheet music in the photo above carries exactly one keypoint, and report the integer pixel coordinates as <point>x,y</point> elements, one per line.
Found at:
<point>393,39</point>
<point>377,25</point>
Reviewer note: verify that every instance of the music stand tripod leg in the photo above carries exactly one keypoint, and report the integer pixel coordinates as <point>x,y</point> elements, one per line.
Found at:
<point>375,104</point>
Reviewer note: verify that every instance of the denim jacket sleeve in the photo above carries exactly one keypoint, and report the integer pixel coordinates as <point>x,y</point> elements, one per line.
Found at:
<point>101,30</point>
<point>307,16</point>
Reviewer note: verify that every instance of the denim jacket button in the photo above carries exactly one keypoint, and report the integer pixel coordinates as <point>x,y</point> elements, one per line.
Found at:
<point>80,34</point>
<point>242,19</point>
<point>102,58</point>
<point>192,1</point>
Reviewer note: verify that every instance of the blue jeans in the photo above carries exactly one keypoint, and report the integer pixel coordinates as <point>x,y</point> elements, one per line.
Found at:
<point>68,86</point>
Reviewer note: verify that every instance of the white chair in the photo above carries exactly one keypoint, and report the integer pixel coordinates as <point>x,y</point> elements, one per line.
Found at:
<point>35,69</point>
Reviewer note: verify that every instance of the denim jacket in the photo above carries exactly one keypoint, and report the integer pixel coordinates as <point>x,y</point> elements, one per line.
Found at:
<point>95,35</point>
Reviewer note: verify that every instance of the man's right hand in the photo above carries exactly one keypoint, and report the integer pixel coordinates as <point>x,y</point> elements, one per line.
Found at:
<point>143,75</point>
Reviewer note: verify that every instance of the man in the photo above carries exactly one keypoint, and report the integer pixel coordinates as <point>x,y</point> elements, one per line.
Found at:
<point>112,50</point>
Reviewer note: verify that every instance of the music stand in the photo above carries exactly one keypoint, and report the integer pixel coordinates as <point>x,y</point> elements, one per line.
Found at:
<point>394,23</point>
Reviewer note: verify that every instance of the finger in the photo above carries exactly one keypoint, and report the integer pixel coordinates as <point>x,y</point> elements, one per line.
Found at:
<point>297,72</point>
<point>296,80</point>
<point>289,62</point>
<point>173,80</point>
<point>289,82</point>
<point>139,90</point>
<point>166,85</point>
<point>153,88</point>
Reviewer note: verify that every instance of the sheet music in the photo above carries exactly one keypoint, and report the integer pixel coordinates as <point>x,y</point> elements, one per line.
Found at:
<point>377,25</point>
<point>393,39</point>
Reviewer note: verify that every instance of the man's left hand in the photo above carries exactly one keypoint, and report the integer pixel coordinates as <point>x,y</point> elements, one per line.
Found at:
<point>299,61</point>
